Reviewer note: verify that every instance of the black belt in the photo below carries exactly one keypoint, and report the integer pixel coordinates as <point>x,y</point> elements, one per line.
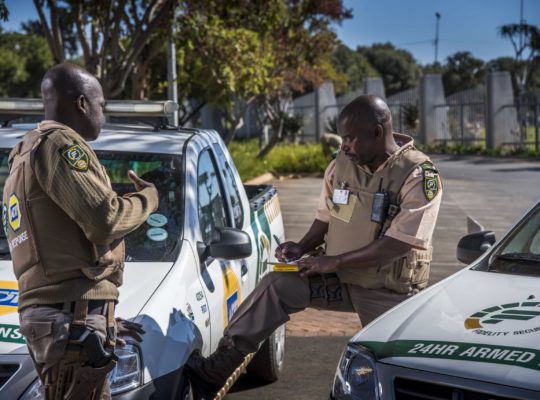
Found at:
<point>94,306</point>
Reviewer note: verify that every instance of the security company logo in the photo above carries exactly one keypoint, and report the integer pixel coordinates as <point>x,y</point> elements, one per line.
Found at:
<point>231,288</point>
<point>14,212</point>
<point>9,297</point>
<point>5,217</point>
<point>76,157</point>
<point>506,319</point>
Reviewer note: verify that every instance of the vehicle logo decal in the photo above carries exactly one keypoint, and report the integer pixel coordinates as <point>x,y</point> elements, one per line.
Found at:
<point>9,297</point>
<point>14,212</point>
<point>506,319</point>
<point>515,356</point>
<point>231,293</point>
<point>199,296</point>
<point>10,333</point>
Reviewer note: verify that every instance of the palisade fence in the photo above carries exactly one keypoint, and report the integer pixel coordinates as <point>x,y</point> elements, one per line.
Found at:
<point>463,118</point>
<point>405,110</point>
<point>525,129</point>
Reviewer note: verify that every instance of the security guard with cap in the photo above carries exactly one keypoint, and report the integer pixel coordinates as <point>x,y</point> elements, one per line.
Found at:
<point>64,226</point>
<point>377,213</point>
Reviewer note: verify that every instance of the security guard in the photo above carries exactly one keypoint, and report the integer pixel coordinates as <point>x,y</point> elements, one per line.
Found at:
<point>64,226</point>
<point>377,212</point>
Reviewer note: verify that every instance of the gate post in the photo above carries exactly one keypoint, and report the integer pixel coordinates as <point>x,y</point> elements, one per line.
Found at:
<point>433,120</point>
<point>501,116</point>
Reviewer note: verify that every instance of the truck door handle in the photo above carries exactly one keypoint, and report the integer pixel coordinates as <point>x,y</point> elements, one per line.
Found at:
<point>244,269</point>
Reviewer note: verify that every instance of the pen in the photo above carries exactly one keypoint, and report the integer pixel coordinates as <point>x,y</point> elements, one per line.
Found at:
<point>278,243</point>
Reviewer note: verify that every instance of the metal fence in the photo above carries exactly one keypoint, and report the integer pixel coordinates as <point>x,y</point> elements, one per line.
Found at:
<point>526,131</point>
<point>405,110</point>
<point>462,120</point>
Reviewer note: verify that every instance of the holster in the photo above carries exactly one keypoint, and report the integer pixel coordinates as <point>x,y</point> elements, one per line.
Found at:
<point>88,381</point>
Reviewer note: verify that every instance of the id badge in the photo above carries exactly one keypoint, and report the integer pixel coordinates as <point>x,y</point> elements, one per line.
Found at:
<point>340,196</point>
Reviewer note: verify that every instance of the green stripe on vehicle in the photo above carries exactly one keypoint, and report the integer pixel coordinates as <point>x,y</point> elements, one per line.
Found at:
<point>506,355</point>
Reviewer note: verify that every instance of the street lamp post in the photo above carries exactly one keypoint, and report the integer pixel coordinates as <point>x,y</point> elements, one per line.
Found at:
<point>436,42</point>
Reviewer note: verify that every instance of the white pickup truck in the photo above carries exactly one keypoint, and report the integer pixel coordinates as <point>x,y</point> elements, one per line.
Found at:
<point>184,275</point>
<point>472,336</point>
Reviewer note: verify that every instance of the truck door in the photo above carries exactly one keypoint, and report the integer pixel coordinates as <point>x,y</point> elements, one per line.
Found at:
<point>222,278</point>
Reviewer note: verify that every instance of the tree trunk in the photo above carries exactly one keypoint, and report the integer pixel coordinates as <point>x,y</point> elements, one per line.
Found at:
<point>274,139</point>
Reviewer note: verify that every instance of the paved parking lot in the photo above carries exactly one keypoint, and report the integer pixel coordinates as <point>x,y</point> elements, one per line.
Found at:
<point>494,191</point>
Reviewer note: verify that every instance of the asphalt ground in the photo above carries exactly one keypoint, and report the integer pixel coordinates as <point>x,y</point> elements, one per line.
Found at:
<point>495,192</point>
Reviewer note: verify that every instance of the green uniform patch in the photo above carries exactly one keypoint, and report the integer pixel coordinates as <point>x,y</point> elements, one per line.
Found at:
<point>76,157</point>
<point>431,180</point>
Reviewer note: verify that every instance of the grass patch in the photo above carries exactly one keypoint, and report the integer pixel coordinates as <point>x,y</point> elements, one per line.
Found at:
<point>458,148</point>
<point>283,159</point>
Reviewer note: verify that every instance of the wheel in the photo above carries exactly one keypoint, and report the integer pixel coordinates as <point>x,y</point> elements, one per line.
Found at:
<point>184,391</point>
<point>268,362</point>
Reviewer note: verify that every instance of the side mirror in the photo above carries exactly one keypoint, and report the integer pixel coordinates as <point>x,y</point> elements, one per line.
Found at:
<point>472,246</point>
<point>226,243</point>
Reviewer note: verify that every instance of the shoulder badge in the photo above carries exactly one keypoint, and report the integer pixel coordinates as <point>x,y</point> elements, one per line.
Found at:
<point>431,180</point>
<point>76,157</point>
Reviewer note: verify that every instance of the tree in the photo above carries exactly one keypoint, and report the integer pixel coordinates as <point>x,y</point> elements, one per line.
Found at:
<point>23,62</point>
<point>4,12</point>
<point>117,38</point>
<point>353,65</point>
<point>397,67</point>
<point>303,42</point>
<point>525,40</point>
<point>245,52</point>
<point>462,71</point>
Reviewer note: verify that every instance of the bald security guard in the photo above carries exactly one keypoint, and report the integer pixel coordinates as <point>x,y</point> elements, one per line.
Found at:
<point>377,211</point>
<point>64,226</point>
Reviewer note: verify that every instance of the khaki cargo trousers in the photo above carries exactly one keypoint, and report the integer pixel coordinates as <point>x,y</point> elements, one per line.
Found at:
<point>280,294</point>
<point>64,370</point>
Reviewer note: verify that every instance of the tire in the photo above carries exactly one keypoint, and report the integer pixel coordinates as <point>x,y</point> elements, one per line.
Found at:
<point>267,364</point>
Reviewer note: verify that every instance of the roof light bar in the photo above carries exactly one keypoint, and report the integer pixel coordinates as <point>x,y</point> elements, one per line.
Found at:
<point>118,108</point>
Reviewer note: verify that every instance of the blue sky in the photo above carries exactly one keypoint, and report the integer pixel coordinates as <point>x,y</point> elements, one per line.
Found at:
<point>465,24</point>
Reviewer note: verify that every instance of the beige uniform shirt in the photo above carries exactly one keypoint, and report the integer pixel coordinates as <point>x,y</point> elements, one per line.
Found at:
<point>414,224</point>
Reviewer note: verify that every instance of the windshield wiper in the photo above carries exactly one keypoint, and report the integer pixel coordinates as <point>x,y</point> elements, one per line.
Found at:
<point>519,257</point>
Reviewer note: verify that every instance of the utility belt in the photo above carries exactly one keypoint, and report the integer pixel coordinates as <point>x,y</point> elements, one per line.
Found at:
<point>82,337</point>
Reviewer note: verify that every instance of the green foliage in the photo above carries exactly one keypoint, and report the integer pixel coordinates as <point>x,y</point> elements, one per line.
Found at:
<point>411,115</point>
<point>292,126</point>
<point>462,71</point>
<point>397,67</point>
<point>282,159</point>
<point>4,12</point>
<point>354,66</point>
<point>23,61</point>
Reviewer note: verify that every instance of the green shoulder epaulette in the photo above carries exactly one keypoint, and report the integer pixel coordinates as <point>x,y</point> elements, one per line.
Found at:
<point>431,180</point>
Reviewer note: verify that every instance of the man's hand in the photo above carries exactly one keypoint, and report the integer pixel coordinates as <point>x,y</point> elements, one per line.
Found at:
<point>289,251</point>
<point>128,328</point>
<point>139,183</point>
<point>318,265</point>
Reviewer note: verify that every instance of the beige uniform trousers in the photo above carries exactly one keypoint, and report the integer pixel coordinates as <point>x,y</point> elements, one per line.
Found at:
<point>46,330</point>
<point>280,294</point>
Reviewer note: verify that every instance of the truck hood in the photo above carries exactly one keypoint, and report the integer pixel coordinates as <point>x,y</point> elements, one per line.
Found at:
<point>476,325</point>
<point>141,279</point>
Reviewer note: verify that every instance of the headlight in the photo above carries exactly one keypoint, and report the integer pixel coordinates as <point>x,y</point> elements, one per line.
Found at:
<point>128,372</point>
<point>34,392</point>
<point>125,376</point>
<point>356,376</point>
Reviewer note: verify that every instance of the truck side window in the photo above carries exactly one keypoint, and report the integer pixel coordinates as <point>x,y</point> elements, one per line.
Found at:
<point>210,199</point>
<point>232,188</point>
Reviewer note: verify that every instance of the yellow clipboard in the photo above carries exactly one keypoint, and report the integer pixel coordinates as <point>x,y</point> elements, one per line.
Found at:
<point>283,267</point>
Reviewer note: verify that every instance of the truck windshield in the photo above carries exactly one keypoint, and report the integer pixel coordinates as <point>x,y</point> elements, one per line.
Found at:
<point>157,239</point>
<point>520,253</point>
